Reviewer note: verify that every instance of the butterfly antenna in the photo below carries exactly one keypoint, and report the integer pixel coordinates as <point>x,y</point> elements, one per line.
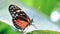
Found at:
<point>33,24</point>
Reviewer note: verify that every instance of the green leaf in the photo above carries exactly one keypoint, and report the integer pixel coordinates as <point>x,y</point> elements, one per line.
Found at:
<point>43,32</point>
<point>6,29</point>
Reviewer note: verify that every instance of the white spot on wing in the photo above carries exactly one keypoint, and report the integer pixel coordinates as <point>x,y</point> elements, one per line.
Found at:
<point>12,6</point>
<point>18,11</point>
<point>21,14</point>
<point>12,10</point>
<point>16,14</point>
<point>12,14</point>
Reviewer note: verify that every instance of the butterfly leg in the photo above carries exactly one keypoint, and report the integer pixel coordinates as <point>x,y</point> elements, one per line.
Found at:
<point>34,26</point>
<point>21,31</point>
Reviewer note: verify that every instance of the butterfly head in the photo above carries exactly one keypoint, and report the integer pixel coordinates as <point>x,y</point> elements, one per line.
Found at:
<point>31,21</point>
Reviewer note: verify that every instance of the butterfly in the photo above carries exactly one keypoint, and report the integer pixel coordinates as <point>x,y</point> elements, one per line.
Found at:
<point>19,18</point>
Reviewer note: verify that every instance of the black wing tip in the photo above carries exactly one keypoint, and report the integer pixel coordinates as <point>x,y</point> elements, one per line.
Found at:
<point>14,6</point>
<point>11,5</point>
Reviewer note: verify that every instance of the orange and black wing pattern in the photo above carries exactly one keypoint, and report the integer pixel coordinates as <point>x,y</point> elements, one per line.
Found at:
<point>19,17</point>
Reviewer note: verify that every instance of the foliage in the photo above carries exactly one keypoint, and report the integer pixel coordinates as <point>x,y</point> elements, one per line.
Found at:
<point>6,29</point>
<point>43,6</point>
<point>43,32</point>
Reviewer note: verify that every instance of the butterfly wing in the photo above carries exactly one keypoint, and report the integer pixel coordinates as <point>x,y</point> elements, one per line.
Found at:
<point>20,24</point>
<point>20,18</point>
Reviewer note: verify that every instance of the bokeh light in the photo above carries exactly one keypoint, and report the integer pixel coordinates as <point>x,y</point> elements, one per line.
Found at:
<point>54,16</point>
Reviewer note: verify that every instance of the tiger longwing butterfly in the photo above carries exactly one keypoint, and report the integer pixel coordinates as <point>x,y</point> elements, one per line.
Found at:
<point>19,17</point>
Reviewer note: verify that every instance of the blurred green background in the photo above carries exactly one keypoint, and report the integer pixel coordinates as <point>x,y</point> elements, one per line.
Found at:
<point>43,6</point>
<point>7,29</point>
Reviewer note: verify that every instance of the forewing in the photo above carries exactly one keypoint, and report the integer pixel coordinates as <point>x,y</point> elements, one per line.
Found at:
<point>17,12</point>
